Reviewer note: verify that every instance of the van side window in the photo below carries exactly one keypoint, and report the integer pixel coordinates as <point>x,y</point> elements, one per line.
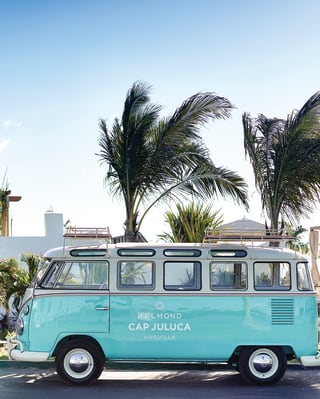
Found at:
<point>303,277</point>
<point>228,275</point>
<point>272,276</point>
<point>77,275</point>
<point>135,274</point>
<point>182,276</point>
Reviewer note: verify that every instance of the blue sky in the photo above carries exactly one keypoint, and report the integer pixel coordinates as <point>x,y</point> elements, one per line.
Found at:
<point>66,63</point>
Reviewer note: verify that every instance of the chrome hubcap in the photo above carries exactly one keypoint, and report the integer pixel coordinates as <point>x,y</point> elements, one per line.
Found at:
<point>262,363</point>
<point>78,362</point>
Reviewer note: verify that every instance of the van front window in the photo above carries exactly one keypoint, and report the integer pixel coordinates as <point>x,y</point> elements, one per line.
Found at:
<point>77,275</point>
<point>42,268</point>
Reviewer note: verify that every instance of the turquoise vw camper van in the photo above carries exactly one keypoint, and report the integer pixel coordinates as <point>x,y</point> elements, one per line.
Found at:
<point>91,306</point>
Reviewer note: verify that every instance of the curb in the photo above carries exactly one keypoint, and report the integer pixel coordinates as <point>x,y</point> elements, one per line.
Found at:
<point>21,364</point>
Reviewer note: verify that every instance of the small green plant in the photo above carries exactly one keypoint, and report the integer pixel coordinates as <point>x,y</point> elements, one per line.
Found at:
<point>5,335</point>
<point>190,222</point>
<point>11,335</point>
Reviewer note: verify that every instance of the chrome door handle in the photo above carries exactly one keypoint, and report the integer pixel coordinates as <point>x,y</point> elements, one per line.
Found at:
<point>102,308</point>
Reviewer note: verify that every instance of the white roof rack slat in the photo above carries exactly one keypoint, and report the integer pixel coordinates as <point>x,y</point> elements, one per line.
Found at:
<point>247,235</point>
<point>88,233</point>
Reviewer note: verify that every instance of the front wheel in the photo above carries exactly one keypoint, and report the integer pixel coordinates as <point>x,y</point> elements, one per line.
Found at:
<point>262,366</point>
<point>79,362</point>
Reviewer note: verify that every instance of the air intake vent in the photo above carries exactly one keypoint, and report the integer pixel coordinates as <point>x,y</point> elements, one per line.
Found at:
<point>282,311</point>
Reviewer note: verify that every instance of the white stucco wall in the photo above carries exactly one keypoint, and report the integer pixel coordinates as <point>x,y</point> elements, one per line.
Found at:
<point>16,246</point>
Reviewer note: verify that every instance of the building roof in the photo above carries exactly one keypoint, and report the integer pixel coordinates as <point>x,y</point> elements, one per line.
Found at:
<point>243,225</point>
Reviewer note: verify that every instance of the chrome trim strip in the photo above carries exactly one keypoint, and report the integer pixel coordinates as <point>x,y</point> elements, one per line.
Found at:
<point>68,293</point>
<point>177,294</point>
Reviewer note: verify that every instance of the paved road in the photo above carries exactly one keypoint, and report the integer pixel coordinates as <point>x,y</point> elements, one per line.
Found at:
<point>218,381</point>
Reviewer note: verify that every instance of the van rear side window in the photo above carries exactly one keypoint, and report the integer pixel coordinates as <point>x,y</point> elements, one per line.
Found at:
<point>228,275</point>
<point>136,274</point>
<point>272,276</point>
<point>182,276</point>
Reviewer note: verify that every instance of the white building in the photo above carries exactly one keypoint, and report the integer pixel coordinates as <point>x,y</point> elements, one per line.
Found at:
<point>55,236</point>
<point>14,247</point>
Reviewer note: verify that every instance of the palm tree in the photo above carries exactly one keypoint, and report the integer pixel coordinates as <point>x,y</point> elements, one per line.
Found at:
<point>14,279</point>
<point>298,244</point>
<point>13,283</point>
<point>32,262</point>
<point>285,157</point>
<point>190,222</point>
<point>150,159</point>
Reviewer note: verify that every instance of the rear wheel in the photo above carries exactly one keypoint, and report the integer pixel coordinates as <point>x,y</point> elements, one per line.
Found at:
<point>79,361</point>
<point>262,366</point>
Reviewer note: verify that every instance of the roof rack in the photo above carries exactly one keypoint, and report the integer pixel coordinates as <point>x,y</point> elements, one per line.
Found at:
<point>88,233</point>
<point>265,235</point>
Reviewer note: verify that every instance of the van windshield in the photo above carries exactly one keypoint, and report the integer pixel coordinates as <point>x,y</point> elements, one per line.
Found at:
<point>42,268</point>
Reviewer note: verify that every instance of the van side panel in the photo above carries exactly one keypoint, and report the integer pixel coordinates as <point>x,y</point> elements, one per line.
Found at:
<point>207,327</point>
<point>63,314</point>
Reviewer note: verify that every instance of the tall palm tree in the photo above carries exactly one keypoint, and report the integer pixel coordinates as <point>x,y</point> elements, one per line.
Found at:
<point>285,157</point>
<point>190,221</point>
<point>151,158</point>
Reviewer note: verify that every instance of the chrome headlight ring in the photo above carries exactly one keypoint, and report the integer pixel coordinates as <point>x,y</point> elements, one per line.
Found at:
<point>20,326</point>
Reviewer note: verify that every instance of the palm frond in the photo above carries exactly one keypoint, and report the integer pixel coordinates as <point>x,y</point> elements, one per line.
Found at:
<point>285,157</point>
<point>149,157</point>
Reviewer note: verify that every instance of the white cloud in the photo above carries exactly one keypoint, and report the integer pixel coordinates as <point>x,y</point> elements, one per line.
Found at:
<point>10,123</point>
<point>4,144</point>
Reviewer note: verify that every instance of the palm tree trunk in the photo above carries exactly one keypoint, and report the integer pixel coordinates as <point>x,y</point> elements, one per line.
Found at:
<point>274,227</point>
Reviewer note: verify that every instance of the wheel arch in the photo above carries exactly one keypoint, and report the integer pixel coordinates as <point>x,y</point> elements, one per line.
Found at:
<point>84,337</point>
<point>234,358</point>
